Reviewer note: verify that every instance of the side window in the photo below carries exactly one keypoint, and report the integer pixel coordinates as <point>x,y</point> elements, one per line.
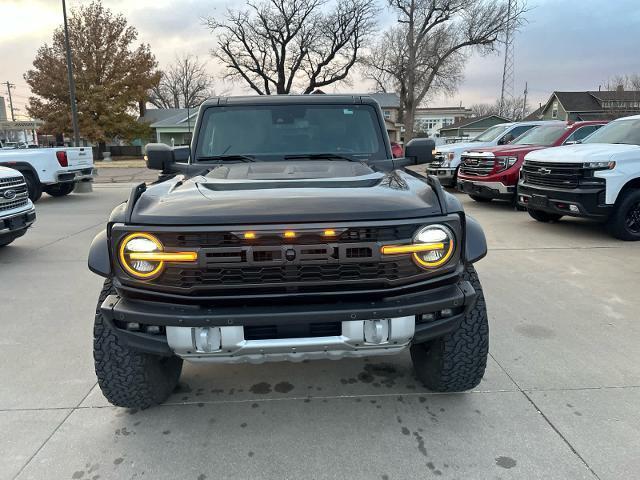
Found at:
<point>582,133</point>
<point>514,133</point>
<point>554,109</point>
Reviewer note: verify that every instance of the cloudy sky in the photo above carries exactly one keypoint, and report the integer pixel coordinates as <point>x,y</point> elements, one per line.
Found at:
<point>566,44</point>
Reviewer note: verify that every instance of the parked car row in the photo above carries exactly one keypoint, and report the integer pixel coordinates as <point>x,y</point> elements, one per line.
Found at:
<point>26,173</point>
<point>580,169</point>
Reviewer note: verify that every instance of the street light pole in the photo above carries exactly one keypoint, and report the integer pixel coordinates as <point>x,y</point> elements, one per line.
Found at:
<point>72,85</point>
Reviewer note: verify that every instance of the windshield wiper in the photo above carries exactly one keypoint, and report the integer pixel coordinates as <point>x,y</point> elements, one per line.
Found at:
<point>321,156</point>
<point>222,158</point>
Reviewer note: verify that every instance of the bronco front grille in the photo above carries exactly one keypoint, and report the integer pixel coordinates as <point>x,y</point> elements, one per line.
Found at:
<point>555,175</point>
<point>291,275</point>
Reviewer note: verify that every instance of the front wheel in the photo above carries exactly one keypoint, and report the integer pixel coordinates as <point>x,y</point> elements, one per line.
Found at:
<point>544,217</point>
<point>34,187</point>
<point>129,378</point>
<point>59,189</point>
<point>624,223</point>
<point>456,361</point>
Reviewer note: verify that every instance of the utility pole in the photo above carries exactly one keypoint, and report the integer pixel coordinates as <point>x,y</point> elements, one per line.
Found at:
<point>72,85</point>
<point>9,87</point>
<point>524,102</point>
<point>508,73</point>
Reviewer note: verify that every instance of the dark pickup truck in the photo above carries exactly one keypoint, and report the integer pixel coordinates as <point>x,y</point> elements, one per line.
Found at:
<point>287,231</point>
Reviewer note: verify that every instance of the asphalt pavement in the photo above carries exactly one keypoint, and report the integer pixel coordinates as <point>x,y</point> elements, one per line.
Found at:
<point>560,400</point>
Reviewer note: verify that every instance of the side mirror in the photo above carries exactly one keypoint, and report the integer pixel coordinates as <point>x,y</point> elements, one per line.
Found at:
<point>160,156</point>
<point>420,150</point>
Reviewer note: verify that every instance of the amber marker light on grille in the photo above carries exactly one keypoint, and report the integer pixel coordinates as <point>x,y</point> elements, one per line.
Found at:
<point>329,233</point>
<point>401,249</point>
<point>289,234</point>
<point>249,235</point>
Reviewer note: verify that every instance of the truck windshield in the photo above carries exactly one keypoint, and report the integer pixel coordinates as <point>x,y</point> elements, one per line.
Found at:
<point>274,132</point>
<point>620,131</point>
<point>491,134</point>
<point>546,135</point>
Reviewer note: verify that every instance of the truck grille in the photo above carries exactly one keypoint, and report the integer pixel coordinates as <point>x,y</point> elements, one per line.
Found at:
<point>292,275</point>
<point>555,175</point>
<point>476,166</point>
<point>232,265</point>
<point>19,197</point>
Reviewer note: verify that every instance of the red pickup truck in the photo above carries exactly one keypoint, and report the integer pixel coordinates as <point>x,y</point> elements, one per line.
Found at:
<point>492,172</point>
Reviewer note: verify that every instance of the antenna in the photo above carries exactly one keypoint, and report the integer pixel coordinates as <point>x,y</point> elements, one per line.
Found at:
<point>508,75</point>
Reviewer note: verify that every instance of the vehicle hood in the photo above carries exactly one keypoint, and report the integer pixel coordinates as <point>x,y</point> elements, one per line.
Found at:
<point>286,192</point>
<point>9,172</point>
<point>458,148</point>
<point>587,152</point>
<point>508,150</point>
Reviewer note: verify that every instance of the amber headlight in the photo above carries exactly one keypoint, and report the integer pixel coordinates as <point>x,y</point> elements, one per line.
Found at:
<point>142,255</point>
<point>432,247</point>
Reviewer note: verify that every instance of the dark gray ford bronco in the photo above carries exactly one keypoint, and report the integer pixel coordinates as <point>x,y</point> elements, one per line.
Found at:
<point>287,232</point>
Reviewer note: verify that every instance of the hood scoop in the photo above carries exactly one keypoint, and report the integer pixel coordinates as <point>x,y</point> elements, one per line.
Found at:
<point>270,175</point>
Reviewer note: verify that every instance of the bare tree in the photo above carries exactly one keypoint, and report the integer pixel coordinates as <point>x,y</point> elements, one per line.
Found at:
<point>513,109</point>
<point>438,37</point>
<point>278,46</point>
<point>627,82</point>
<point>185,84</point>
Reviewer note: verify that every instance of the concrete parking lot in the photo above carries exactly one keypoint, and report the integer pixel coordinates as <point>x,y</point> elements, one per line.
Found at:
<point>560,400</point>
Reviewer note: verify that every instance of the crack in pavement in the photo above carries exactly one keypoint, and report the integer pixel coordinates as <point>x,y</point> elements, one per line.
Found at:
<point>548,420</point>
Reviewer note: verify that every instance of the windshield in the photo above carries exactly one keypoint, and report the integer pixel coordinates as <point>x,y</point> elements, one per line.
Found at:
<point>621,131</point>
<point>278,131</point>
<point>491,134</point>
<point>546,135</point>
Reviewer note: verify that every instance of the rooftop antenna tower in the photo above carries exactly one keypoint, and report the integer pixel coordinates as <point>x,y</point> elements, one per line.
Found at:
<point>508,74</point>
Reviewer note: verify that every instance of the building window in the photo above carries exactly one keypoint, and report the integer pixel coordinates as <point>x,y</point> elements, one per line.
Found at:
<point>554,110</point>
<point>387,114</point>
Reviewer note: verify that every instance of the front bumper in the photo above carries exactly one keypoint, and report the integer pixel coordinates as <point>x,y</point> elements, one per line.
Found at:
<point>424,310</point>
<point>80,175</point>
<point>17,222</point>
<point>579,202</point>
<point>446,175</point>
<point>496,190</point>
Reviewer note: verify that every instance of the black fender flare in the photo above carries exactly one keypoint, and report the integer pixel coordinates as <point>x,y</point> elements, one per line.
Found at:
<point>475,242</point>
<point>22,167</point>
<point>99,258</point>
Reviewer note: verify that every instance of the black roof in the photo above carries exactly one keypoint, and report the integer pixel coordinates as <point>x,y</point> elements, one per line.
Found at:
<point>291,99</point>
<point>469,121</point>
<point>578,101</point>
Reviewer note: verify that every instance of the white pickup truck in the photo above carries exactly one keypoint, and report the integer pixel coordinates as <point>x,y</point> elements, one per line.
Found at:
<point>51,170</point>
<point>597,179</point>
<point>17,213</point>
<point>446,159</point>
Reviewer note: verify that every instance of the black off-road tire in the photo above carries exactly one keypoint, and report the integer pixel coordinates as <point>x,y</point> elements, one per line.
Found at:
<point>59,189</point>
<point>33,186</point>
<point>480,199</point>
<point>129,378</point>
<point>456,361</point>
<point>623,223</point>
<point>544,217</point>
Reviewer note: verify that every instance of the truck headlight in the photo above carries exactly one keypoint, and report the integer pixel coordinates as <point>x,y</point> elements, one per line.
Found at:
<point>432,247</point>
<point>599,165</point>
<point>505,162</point>
<point>142,255</point>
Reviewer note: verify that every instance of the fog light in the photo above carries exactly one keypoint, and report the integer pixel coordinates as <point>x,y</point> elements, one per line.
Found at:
<point>574,208</point>
<point>206,339</point>
<point>429,317</point>
<point>133,326</point>
<point>376,331</point>
<point>446,312</point>
<point>152,329</point>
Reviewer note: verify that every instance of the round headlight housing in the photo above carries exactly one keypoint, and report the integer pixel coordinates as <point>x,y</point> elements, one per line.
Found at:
<point>439,246</point>
<point>140,243</point>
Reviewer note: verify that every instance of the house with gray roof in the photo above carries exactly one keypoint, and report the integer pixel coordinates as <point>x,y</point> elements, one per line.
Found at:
<point>591,105</point>
<point>472,127</point>
<point>172,126</point>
